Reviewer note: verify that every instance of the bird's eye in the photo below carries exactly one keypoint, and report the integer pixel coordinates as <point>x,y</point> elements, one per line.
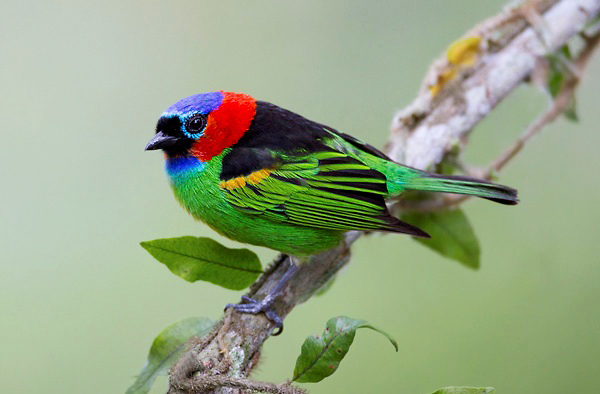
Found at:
<point>196,124</point>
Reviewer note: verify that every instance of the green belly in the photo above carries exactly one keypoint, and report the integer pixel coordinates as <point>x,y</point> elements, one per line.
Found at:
<point>199,193</point>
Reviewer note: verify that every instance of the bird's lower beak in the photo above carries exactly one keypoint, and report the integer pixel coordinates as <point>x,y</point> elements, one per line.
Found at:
<point>161,141</point>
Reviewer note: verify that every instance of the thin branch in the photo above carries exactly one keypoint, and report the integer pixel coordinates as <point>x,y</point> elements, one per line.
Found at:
<point>560,103</point>
<point>558,106</point>
<point>456,94</point>
<point>208,383</point>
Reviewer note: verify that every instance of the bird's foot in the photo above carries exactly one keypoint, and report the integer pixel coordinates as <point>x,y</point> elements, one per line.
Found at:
<point>252,306</point>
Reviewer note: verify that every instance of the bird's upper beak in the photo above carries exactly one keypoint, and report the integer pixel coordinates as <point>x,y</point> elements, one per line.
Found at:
<point>161,141</point>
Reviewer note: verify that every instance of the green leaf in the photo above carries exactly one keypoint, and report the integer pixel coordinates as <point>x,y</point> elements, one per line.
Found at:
<point>465,390</point>
<point>205,259</point>
<point>557,77</point>
<point>166,349</point>
<point>451,235</point>
<point>558,70</point>
<point>321,356</point>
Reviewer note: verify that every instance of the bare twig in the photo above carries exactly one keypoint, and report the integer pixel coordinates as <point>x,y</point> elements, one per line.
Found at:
<point>492,60</point>
<point>560,103</point>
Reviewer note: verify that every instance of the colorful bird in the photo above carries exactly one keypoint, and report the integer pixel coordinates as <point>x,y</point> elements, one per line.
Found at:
<point>263,175</point>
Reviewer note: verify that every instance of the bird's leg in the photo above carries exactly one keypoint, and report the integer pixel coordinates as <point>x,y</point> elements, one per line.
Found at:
<point>265,305</point>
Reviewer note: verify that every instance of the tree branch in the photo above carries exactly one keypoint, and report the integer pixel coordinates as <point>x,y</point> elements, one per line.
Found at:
<point>460,89</point>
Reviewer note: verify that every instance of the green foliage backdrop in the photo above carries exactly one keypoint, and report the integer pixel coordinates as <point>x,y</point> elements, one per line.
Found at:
<point>82,86</point>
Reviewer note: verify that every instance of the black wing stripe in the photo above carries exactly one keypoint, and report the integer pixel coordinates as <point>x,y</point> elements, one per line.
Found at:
<point>398,226</point>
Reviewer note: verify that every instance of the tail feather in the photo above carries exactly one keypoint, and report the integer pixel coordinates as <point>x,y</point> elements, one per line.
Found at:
<point>464,185</point>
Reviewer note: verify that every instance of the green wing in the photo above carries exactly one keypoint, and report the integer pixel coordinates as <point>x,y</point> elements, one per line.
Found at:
<point>327,189</point>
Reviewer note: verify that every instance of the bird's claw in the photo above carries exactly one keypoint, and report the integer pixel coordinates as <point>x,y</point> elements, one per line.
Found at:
<point>252,306</point>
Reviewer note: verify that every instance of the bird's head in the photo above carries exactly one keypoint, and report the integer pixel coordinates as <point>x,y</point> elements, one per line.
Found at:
<point>203,125</point>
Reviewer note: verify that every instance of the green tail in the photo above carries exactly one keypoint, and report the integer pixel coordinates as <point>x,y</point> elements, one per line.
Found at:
<point>462,185</point>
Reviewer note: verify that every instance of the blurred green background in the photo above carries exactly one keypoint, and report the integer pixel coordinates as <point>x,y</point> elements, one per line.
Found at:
<point>82,86</point>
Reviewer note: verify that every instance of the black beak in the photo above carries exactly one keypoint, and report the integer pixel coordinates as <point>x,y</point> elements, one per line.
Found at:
<point>161,141</point>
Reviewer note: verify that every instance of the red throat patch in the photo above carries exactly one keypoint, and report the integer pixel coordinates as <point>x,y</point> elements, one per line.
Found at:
<point>226,125</point>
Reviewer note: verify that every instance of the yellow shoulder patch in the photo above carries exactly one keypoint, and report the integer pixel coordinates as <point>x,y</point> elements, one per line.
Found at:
<point>254,178</point>
<point>257,176</point>
<point>233,183</point>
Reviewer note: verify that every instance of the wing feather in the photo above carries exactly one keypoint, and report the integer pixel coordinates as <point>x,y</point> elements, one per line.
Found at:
<point>327,189</point>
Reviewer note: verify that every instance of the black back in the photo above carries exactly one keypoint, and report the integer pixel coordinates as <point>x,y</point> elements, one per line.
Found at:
<point>277,129</point>
<point>272,129</point>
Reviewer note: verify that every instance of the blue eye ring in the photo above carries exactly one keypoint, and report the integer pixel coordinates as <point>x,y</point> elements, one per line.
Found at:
<point>195,126</point>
